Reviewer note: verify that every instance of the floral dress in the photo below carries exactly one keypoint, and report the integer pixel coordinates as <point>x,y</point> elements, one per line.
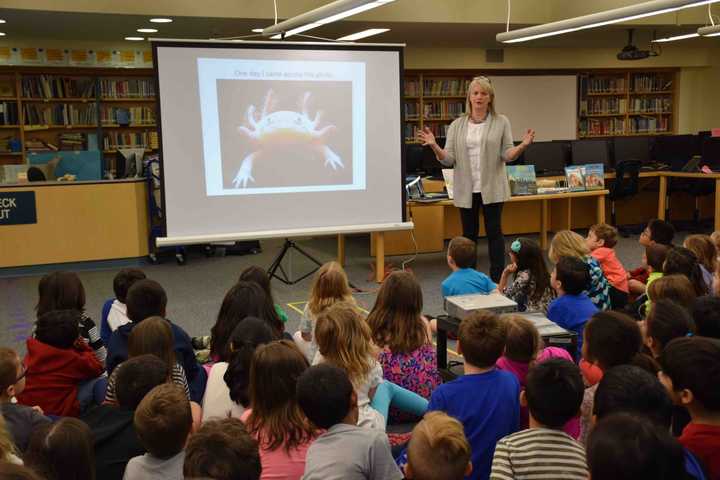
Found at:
<point>415,371</point>
<point>521,291</point>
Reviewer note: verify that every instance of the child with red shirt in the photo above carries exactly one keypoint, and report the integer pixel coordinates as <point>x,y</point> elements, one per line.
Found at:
<point>691,374</point>
<point>601,240</point>
<point>57,361</point>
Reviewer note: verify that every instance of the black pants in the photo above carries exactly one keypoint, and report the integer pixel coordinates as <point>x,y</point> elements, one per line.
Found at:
<point>492,216</point>
<point>618,298</point>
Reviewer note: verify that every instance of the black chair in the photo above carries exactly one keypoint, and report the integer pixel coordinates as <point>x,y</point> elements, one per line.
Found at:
<point>34,174</point>
<point>625,186</point>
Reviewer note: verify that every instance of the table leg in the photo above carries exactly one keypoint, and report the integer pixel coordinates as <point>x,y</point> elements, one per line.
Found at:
<point>601,209</point>
<point>379,256</point>
<point>341,249</point>
<point>569,213</point>
<point>662,193</point>
<point>717,204</point>
<point>441,351</point>
<point>544,225</point>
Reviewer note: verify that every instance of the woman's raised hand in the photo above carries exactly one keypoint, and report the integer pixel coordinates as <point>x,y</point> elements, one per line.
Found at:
<point>426,137</point>
<point>529,137</point>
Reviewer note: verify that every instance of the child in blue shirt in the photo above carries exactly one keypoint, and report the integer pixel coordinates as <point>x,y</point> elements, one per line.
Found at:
<point>464,279</point>
<point>572,309</point>
<point>485,400</point>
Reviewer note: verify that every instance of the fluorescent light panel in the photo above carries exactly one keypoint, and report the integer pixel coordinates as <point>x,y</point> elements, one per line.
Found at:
<point>712,31</point>
<point>676,37</point>
<point>364,34</point>
<point>147,30</point>
<point>161,20</point>
<point>599,19</point>
<point>135,39</point>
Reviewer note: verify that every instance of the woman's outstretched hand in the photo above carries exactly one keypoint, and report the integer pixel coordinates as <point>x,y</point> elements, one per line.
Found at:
<point>529,137</point>
<point>426,137</point>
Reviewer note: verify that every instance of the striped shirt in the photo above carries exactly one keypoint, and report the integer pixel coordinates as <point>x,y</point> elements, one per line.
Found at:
<point>178,378</point>
<point>539,453</point>
<point>89,332</point>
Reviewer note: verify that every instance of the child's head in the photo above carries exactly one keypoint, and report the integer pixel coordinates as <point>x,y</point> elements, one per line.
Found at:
<point>601,235</point>
<point>672,287</point>
<point>528,255</point>
<point>571,276</point>
<point>222,449</point>
<point>60,291</point>
<point>62,450</point>
<point>12,374</point>
<point>396,319</point>
<point>554,391</point>
<point>153,336</point>
<point>682,261</point>
<point>629,447</point>
<point>163,420</point>
<point>344,339</point>
<point>657,231</point>
<point>276,419</point>
<point>438,448</point>
<point>326,396</point>
<point>58,328</point>
<point>125,279</point>
<point>136,377</point>
<point>704,249</point>
<point>247,336</point>
<point>666,320</point>
<point>259,276</point>
<point>715,237</point>
<point>706,315</point>
<point>462,253</point>
<point>567,243</point>
<point>329,286</point>
<point>630,389</point>
<point>244,299</point>
<point>481,338</point>
<point>146,298</point>
<point>655,255</point>
<point>611,339</point>
<point>523,339</point>
<point>691,373</point>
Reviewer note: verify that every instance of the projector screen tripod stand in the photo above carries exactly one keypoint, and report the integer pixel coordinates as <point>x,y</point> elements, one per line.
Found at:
<point>277,264</point>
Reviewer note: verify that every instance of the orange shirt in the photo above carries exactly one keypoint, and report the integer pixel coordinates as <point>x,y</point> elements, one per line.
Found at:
<point>612,268</point>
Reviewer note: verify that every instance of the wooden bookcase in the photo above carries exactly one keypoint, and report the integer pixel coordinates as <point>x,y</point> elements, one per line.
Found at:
<point>44,108</point>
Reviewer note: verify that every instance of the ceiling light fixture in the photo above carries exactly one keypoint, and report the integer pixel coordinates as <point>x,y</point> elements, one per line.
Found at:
<point>2,21</point>
<point>599,19</point>
<point>329,13</point>
<point>364,34</point>
<point>257,30</point>
<point>147,30</point>
<point>161,20</point>
<point>676,37</point>
<point>135,39</point>
<point>2,34</point>
<point>711,31</point>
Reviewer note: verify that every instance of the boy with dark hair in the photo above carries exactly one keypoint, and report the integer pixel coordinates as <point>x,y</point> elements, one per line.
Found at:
<point>706,314</point>
<point>657,232</point>
<point>162,422</point>
<point>601,240</point>
<point>464,279</point>
<point>344,451</point>
<point>691,374</point>
<point>553,395</point>
<point>572,309</point>
<point>20,420</point>
<point>147,298</point>
<point>222,449</point>
<point>438,449</point>
<point>57,361</point>
<point>485,399</point>
<point>114,311</point>
<point>116,440</point>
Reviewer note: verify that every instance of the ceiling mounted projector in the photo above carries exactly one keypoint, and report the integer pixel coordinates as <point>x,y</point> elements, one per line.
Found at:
<point>632,52</point>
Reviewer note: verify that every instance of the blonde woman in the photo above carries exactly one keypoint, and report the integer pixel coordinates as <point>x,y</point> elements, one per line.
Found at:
<point>567,243</point>
<point>478,145</point>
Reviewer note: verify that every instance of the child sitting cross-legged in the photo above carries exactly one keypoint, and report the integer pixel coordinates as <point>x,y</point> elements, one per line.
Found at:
<point>530,287</point>
<point>438,449</point>
<point>601,240</point>
<point>114,311</point>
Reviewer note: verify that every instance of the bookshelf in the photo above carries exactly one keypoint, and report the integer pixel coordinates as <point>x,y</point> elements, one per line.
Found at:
<point>46,109</point>
<point>626,103</point>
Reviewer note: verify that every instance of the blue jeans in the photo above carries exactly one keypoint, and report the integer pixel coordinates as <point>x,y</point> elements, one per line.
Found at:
<point>388,393</point>
<point>91,392</point>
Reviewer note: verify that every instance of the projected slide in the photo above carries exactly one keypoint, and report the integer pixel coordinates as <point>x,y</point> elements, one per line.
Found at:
<point>282,126</point>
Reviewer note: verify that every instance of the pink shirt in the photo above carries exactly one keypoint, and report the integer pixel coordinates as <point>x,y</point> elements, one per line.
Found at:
<point>612,268</point>
<point>279,463</point>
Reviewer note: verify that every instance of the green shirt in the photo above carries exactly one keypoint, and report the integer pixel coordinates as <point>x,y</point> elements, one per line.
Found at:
<point>651,278</point>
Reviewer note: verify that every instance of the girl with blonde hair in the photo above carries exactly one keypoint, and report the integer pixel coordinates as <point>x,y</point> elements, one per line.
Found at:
<point>567,243</point>
<point>344,340</point>
<point>704,249</point>
<point>330,285</point>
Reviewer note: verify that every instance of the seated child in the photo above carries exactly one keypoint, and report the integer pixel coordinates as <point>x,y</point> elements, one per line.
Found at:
<point>601,240</point>
<point>57,361</point>
<point>260,276</point>
<point>681,261</point>
<point>573,308</point>
<point>114,312</point>
<point>629,447</point>
<point>222,450</point>
<point>464,279</point>
<point>485,399</point>
<point>553,395</point>
<point>672,287</point>
<point>530,287</point>
<point>328,399</point>
<point>703,247</point>
<point>62,450</point>
<point>691,372</point>
<point>653,259</point>
<point>162,422</point>
<point>657,232</point>
<point>438,449</point>
<point>666,321</point>
<point>706,315</point>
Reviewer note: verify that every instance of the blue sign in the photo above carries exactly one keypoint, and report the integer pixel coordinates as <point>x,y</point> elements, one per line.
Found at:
<point>17,208</point>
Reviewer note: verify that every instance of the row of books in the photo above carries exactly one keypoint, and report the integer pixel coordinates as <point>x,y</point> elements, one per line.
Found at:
<point>136,88</point>
<point>601,126</point>
<point>48,86</point>
<point>438,129</point>
<point>410,131</point>
<point>602,84</point>
<point>649,124</point>
<point>39,145</point>
<point>115,140</point>
<point>72,141</point>
<point>440,88</point>
<point>648,82</point>
<point>411,88</point>
<point>127,116</point>
<point>60,114</point>
<point>8,113</point>
<point>522,178</point>
<point>412,111</point>
<point>5,142</point>
<point>651,104</point>
<point>603,106</point>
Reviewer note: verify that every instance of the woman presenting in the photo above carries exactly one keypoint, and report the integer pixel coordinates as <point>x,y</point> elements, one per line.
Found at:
<point>478,144</point>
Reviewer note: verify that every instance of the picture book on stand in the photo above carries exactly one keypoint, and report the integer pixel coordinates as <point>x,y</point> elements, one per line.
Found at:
<point>594,176</point>
<point>575,178</point>
<point>522,179</point>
